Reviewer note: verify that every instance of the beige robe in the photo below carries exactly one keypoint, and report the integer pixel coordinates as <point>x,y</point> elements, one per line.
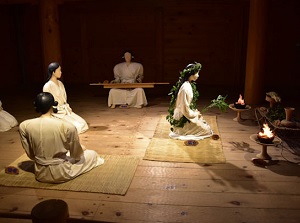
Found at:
<point>64,110</point>
<point>197,128</point>
<point>54,146</point>
<point>7,121</point>
<point>128,73</point>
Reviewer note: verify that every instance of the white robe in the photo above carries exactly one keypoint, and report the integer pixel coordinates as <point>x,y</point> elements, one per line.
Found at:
<point>64,110</point>
<point>54,146</point>
<point>7,121</point>
<point>128,73</point>
<point>197,128</point>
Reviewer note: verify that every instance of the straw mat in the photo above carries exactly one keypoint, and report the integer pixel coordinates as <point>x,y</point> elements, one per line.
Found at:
<point>113,177</point>
<point>163,148</point>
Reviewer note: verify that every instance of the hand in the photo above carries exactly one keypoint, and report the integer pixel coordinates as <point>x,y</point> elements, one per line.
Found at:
<point>199,114</point>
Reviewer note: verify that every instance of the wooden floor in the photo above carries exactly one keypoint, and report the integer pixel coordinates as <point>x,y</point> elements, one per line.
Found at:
<point>234,192</point>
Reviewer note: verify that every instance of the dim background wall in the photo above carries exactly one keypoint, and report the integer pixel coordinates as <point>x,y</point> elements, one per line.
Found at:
<point>165,36</point>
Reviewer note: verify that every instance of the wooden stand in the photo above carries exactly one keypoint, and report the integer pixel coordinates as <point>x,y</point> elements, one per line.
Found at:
<point>264,149</point>
<point>264,153</point>
<point>239,118</point>
<point>50,211</point>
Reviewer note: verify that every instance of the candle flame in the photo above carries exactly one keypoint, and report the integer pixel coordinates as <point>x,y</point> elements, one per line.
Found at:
<point>241,100</point>
<point>267,132</point>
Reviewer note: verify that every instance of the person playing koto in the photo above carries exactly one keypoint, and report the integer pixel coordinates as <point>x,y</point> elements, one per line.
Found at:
<point>57,89</point>
<point>186,121</point>
<point>127,72</point>
<point>53,144</point>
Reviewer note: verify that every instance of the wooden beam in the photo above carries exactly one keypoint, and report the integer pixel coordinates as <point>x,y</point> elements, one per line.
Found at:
<point>255,65</point>
<point>128,85</point>
<point>50,32</point>
<point>11,2</point>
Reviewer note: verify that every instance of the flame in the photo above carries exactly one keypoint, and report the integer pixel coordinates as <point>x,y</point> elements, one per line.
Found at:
<point>241,100</point>
<point>267,132</point>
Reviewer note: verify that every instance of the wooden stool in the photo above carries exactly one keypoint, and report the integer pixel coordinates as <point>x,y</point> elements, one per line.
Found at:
<point>50,211</point>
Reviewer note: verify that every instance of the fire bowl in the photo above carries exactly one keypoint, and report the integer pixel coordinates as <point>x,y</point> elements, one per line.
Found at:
<point>239,106</point>
<point>265,139</point>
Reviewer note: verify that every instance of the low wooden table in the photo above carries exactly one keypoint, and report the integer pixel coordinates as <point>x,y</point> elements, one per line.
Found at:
<point>129,85</point>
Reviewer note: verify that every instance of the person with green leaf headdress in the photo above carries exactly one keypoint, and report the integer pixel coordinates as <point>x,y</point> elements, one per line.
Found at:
<point>185,119</point>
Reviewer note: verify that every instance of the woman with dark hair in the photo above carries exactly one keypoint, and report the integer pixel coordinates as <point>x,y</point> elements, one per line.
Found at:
<point>57,89</point>
<point>54,145</point>
<point>186,121</point>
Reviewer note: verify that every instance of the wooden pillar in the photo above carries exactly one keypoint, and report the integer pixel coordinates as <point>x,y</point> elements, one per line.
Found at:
<point>50,32</point>
<point>255,65</point>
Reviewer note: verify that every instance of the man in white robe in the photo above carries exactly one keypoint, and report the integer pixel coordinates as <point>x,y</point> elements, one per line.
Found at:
<point>53,144</point>
<point>127,72</point>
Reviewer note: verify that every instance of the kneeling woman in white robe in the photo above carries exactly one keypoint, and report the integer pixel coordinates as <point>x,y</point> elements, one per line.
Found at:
<point>53,144</point>
<point>7,121</point>
<point>186,121</point>
<point>57,89</point>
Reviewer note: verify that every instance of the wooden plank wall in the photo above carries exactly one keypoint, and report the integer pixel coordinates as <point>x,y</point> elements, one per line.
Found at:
<point>165,35</point>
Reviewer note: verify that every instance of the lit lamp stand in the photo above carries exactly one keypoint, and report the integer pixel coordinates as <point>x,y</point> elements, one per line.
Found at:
<point>239,118</point>
<point>264,149</point>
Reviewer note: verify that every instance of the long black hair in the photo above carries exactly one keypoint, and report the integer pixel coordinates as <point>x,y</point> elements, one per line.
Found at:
<point>52,68</point>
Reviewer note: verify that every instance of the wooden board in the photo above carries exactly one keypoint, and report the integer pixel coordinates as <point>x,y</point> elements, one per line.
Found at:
<point>128,85</point>
<point>163,191</point>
